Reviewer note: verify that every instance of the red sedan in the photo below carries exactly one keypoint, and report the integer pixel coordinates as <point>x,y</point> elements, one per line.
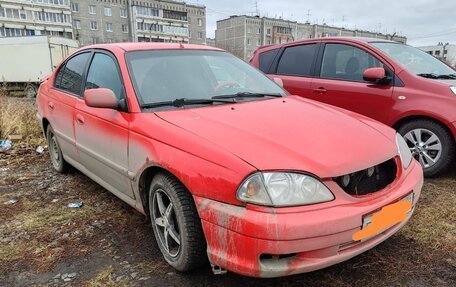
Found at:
<point>227,165</point>
<point>393,83</point>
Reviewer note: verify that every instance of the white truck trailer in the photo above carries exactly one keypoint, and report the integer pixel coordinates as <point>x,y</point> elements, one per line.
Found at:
<point>24,61</point>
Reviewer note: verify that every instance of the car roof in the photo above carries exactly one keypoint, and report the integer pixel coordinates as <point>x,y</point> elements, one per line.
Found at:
<point>365,40</point>
<point>133,46</point>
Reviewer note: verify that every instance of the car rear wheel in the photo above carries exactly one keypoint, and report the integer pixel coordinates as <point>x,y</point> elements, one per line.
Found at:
<point>58,162</point>
<point>176,224</point>
<point>431,144</point>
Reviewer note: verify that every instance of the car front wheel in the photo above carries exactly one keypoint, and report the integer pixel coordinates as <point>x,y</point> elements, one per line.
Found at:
<point>431,144</point>
<point>176,224</point>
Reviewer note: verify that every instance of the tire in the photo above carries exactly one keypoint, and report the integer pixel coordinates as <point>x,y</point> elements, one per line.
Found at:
<point>30,91</point>
<point>182,220</point>
<point>418,135</point>
<point>58,162</point>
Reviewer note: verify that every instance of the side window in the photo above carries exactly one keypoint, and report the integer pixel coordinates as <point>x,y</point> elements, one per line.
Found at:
<point>70,77</point>
<point>103,73</point>
<point>266,59</point>
<point>346,62</point>
<point>297,60</point>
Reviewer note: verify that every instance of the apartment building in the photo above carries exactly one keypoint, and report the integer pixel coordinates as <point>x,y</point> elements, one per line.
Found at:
<point>100,21</point>
<point>445,52</point>
<point>241,35</point>
<point>168,21</point>
<point>105,21</point>
<point>35,17</point>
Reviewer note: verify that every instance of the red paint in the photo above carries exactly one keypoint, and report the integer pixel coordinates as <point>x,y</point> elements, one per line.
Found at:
<point>211,150</point>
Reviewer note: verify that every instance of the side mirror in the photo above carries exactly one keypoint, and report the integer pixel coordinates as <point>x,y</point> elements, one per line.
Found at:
<point>377,74</point>
<point>101,98</point>
<point>278,81</point>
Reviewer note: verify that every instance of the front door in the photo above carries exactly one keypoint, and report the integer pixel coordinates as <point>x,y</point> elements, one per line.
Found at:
<point>340,82</point>
<point>102,134</point>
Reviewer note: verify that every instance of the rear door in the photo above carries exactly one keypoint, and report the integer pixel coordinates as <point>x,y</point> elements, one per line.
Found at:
<point>295,67</point>
<point>62,100</point>
<point>102,134</point>
<point>339,81</point>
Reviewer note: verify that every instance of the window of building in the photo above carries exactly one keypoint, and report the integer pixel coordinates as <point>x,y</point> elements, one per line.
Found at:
<point>258,43</point>
<point>92,9</point>
<point>107,11</point>
<point>69,78</point>
<point>103,73</point>
<point>249,42</point>
<point>249,30</point>
<point>124,28</point>
<point>93,25</point>
<point>200,22</point>
<point>74,7</point>
<point>259,31</point>
<point>345,62</point>
<point>94,40</point>
<point>297,60</point>
<point>437,53</point>
<point>200,35</point>
<point>77,24</point>
<point>109,27</point>
<point>123,13</point>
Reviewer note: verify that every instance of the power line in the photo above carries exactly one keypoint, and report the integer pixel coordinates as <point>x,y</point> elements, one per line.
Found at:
<point>437,34</point>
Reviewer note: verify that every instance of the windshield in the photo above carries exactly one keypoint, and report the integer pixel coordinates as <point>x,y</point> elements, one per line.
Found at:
<point>162,76</point>
<point>415,60</point>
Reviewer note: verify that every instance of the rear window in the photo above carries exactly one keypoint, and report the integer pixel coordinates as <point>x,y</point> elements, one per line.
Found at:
<point>266,59</point>
<point>297,60</point>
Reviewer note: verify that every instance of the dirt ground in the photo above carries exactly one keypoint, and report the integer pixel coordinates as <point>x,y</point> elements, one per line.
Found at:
<point>107,243</point>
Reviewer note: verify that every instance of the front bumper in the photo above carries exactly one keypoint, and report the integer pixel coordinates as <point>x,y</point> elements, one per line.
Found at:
<point>272,242</point>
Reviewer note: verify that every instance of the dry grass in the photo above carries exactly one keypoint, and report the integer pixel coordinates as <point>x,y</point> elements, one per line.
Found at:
<point>17,116</point>
<point>433,222</point>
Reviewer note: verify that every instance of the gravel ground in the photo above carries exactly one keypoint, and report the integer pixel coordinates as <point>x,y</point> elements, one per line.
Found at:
<point>105,242</point>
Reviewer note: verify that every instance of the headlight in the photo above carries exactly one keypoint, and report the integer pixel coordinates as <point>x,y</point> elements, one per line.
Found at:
<point>283,189</point>
<point>453,89</point>
<point>404,151</point>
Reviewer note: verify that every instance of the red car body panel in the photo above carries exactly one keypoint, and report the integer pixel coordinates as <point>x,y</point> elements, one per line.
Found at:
<point>424,97</point>
<point>211,150</point>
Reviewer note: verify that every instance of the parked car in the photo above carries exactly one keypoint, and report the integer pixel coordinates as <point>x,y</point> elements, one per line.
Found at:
<point>394,83</point>
<point>227,165</point>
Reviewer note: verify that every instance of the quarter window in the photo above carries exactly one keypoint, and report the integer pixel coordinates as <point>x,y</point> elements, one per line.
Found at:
<point>345,62</point>
<point>297,60</point>
<point>103,73</point>
<point>70,77</point>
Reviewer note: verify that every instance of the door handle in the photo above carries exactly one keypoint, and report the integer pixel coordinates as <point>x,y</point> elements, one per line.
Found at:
<point>320,90</point>
<point>51,105</point>
<point>80,119</point>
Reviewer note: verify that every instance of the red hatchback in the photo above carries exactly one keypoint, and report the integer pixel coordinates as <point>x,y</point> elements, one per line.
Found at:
<point>227,166</point>
<point>393,83</point>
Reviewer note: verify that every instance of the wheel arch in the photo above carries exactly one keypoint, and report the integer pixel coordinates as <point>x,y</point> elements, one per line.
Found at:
<point>410,118</point>
<point>144,181</point>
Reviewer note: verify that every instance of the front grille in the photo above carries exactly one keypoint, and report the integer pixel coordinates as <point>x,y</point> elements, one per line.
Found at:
<point>368,180</point>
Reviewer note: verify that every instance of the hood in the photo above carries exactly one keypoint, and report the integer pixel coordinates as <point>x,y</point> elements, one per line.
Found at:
<point>291,133</point>
<point>449,82</point>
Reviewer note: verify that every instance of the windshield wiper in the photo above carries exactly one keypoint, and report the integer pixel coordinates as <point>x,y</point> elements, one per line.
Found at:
<point>184,102</point>
<point>247,95</point>
<point>435,76</point>
<point>428,75</point>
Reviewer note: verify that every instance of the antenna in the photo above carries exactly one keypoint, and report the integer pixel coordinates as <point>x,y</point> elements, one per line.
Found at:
<point>308,16</point>
<point>257,11</point>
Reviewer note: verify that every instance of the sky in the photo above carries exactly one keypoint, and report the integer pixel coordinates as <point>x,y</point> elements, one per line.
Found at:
<point>422,22</point>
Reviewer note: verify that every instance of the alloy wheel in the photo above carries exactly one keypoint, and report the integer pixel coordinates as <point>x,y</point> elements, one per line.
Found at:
<point>165,223</point>
<point>425,146</point>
